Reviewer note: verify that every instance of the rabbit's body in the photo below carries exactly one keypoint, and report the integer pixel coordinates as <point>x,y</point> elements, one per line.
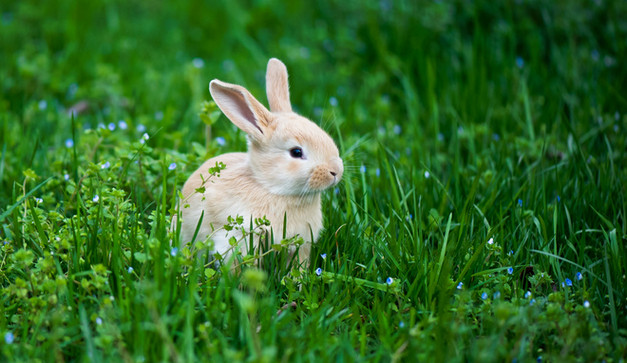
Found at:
<point>289,162</point>
<point>230,195</point>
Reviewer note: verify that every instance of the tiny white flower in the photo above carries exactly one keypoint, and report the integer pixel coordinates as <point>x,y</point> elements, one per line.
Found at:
<point>42,105</point>
<point>122,125</point>
<point>69,143</point>
<point>586,304</point>
<point>198,62</point>
<point>38,200</point>
<point>333,101</point>
<point>145,136</point>
<point>220,141</point>
<point>105,165</point>
<point>491,241</point>
<point>172,166</point>
<point>111,298</point>
<point>96,198</point>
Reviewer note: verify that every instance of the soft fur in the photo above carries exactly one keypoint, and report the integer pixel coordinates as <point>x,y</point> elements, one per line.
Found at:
<point>267,180</point>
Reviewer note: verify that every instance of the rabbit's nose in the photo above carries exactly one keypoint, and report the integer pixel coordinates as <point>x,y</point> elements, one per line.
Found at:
<point>333,173</point>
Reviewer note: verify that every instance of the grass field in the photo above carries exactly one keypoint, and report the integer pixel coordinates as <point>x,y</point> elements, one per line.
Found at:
<point>481,216</point>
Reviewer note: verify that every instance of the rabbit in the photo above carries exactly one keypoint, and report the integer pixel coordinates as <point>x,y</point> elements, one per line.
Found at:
<point>289,163</point>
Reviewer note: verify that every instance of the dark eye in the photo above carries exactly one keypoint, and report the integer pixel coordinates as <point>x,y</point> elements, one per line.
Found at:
<point>296,152</point>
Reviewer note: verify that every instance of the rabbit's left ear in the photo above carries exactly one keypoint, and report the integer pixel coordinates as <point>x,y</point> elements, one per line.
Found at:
<point>277,87</point>
<point>241,108</point>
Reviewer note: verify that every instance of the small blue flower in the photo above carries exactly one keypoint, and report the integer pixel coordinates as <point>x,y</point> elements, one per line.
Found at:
<point>558,199</point>
<point>440,137</point>
<point>578,276</point>
<point>484,295</point>
<point>568,282</point>
<point>141,128</point>
<point>96,198</point>
<point>198,63</point>
<point>510,270</point>
<point>38,200</point>
<point>397,129</point>
<point>122,125</point>
<point>66,177</point>
<point>159,115</point>
<point>427,175</point>
<point>491,241</point>
<point>333,101</point>
<point>105,165</point>
<point>172,166</point>
<point>520,62</point>
<point>318,271</point>
<point>532,301</point>
<point>496,137</point>
<point>111,126</point>
<point>586,304</point>
<point>9,337</point>
<point>460,286</point>
<point>69,143</point>
<point>497,295</point>
<point>539,359</point>
<point>527,294</point>
<point>362,169</point>
<point>220,141</point>
<point>42,105</point>
<point>520,202</point>
<point>377,172</point>
<point>324,256</point>
<point>401,325</point>
<point>130,269</point>
<point>389,281</point>
<point>511,252</point>
<point>101,125</point>
<point>174,251</point>
<point>98,321</point>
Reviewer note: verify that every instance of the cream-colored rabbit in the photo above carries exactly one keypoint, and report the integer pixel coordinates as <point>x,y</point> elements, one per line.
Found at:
<point>290,161</point>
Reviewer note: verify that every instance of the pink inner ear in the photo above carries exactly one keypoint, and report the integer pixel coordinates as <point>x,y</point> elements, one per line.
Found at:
<point>239,105</point>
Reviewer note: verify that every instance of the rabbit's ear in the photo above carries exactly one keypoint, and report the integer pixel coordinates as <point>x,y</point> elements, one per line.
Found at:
<point>277,87</point>
<point>241,108</point>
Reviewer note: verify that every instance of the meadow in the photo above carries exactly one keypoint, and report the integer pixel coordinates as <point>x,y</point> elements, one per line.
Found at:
<point>481,216</point>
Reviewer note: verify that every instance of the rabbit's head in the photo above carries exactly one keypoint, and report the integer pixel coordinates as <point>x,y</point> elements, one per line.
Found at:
<point>288,154</point>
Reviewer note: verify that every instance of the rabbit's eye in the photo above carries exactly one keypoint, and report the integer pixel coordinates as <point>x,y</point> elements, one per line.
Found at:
<point>296,152</point>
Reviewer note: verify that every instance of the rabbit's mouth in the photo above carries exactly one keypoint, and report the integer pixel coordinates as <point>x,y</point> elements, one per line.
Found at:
<point>324,177</point>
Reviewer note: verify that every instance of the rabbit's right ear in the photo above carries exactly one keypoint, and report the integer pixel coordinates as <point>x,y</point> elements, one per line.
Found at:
<point>248,114</point>
<point>277,87</point>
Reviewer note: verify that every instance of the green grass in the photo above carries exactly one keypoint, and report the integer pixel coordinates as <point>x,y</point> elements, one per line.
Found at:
<point>484,146</point>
